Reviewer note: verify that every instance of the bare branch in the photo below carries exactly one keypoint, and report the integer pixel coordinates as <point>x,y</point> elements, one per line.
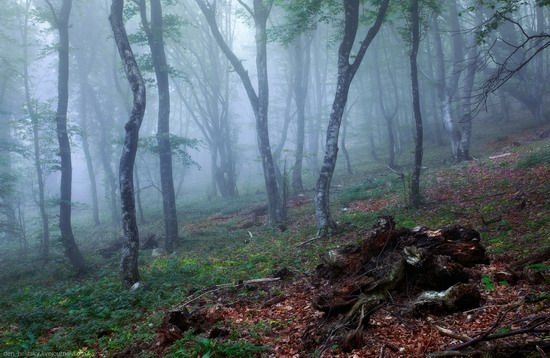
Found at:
<point>248,9</point>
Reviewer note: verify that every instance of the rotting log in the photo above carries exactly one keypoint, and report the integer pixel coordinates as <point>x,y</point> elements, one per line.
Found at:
<point>354,280</point>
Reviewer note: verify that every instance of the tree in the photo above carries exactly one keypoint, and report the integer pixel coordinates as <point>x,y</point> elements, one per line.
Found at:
<point>346,72</point>
<point>259,100</point>
<point>301,56</point>
<point>447,88</point>
<point>155,38</point>
<point>10,95</point>
<point>129,272</point>
<point>389,115</point>
<point>419,134</point>
<point>37,147</point>
<point>61,22</point>
<point>207,98</point>
<point>511,48</point>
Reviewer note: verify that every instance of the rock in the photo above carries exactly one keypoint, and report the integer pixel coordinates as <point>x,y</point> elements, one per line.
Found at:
<point>138,287</point>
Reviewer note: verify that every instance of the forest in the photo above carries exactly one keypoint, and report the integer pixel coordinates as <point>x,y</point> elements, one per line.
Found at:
<point>275,178</point>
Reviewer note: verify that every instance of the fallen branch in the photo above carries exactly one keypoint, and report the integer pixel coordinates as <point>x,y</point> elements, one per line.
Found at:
<point>309,241</point>
<point>227,285</point>
<point>487,336</point>
<point>401,175</point>
<point>451,334</point>
<point>500,156</point>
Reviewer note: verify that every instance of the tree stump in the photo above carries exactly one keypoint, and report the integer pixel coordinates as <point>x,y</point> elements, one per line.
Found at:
<point>353,280</point>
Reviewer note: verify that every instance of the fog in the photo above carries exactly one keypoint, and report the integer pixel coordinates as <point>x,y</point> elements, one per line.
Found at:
<point>471,77</point>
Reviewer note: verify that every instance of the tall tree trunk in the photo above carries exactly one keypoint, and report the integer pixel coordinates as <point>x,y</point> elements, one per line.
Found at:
<point>301,79</point>
<point>319,82</point>
<point>467,117</point>
<point>419,133</point>
<point>388,116</point>
<point>259,101</point>
<point>129,272</point>
<point>445,90</point>
<point>36,141</point>
<point>84,137</point>
<point>154,32</point>
<point>346,72</point>
<point>105,155</point>
<point>67,238</point>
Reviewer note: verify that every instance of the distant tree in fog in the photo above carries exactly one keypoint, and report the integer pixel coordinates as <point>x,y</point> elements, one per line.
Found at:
<point>61,22</point>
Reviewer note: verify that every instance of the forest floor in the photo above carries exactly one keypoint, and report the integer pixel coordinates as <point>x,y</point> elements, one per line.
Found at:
<point>505,195</point>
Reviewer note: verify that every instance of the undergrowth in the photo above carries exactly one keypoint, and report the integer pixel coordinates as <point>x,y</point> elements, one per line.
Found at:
<point>45,309</point>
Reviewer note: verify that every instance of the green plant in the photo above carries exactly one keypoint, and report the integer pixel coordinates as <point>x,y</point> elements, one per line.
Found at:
<point>487,283</point>
<point>536,158</point>
<point>197,346</point>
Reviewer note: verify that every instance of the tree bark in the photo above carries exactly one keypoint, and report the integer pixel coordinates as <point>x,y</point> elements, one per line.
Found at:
<point>154,32</point>
<point>129,272</point>
<point>419,133</point>
<point>346,72</point>
<point>67,238</point>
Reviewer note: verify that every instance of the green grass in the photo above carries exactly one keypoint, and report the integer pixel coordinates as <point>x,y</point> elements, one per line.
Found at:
<point>538,156</point>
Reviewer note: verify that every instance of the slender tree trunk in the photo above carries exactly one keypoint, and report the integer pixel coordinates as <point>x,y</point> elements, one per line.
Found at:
<point>419,133</point>
<point>67,238</point>
<point>154,32</point>
<point>445,90</point>
<point>319,84</point>
<point>84,137</point>
<point>105,155</point>
<point>301,80</point>
<point>466,122</point>
<point>36,141</point>
<point>388,117</point>
<point>129,272</point>
<point>346,72</point>
<point>259,101</point>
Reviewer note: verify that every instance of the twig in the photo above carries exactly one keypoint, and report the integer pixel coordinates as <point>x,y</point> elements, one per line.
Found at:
<point>500,156</point>
<point>259,280</point>
<point>400,174</point>
<point>227,285</point>
<point>532,328</point>
<point>449,333</point>
<point>310,240</point>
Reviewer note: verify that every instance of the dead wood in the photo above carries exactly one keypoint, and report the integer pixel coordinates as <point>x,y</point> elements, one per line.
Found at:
<point>531,327</point>
<point>448,333</point>
<point>354,280</point>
